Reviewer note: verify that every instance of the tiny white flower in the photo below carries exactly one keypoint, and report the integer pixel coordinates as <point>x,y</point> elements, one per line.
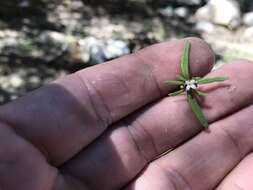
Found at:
<point>190,84</point>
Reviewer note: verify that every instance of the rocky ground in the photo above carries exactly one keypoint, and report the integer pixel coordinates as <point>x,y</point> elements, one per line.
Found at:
<point>41,40</point>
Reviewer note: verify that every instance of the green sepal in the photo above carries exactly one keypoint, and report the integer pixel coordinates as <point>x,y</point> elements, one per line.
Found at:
<point>211,80</point>
<point>181,78</point>
<point>197,111</point>
<point>185,61</point>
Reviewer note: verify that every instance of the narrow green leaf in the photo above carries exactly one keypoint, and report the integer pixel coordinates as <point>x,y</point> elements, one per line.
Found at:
<point>174,82</point>
<point>197,110</point>
<point>179,92</point>
<point>196,78</point>
<point>181,78</point>
<point>200,93</point>
<point>211,80</point>
<point>185,60</point>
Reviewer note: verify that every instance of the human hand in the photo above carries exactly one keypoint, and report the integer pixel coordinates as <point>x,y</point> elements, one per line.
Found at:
<point>105,127</point>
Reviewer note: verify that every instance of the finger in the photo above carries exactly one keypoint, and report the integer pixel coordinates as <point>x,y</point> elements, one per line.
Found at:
<point>22,165</point>
<point>241,176</point>
<point>124,151</point>
<point>62,118</point>
<point>202,162</point>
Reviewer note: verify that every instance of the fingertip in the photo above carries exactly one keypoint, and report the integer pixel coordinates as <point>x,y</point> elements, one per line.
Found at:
<point>202,57</point>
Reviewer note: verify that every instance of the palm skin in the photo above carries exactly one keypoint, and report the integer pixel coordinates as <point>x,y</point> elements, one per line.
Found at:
<point>106,127</point>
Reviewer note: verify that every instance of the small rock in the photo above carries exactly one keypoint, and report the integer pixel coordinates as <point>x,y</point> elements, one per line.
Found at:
<point>77,5</point>
<point>181,12</point>
<point>91,50</point>
<point>55,37</point>
<point>204,26</point>
<point>223,12</point>
<point>167,12</point>
<point>10,41</point>
<point>24,3</point>
<point>248,19</point>
<point>13,96</point>
<point>190,2</point>
<point>204,13</point>
<point>115,48</point>
<point>98,51</point>
<point>35,80</point>
<point>16,81</point>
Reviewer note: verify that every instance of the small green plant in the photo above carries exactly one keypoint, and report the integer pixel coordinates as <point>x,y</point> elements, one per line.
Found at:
<point>189,84</point>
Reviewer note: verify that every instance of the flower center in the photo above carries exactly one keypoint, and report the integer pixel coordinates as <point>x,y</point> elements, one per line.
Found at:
<point>190,84</point>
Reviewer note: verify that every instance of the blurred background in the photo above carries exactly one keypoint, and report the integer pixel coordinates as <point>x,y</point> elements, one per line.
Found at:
<point>41,40</point>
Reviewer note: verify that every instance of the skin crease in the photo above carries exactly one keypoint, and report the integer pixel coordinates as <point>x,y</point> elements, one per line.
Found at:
<point>103,128</point>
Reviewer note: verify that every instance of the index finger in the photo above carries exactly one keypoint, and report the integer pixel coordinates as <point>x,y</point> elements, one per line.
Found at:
<point>62,118</point>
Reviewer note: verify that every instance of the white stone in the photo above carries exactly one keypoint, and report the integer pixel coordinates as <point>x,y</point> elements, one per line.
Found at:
<point>181,12</point>
<point>88,46</point>
<point>57,37</point>
<point>204,13</point>
<point>115,48</point>
<point>248,19</point>
<point>204,26</point>
<point>16,81</point>
<point>190,2</point>
<point>98,51</point>
<point>34,80</point>
<point>223,12</point>
<point>167,12</point>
